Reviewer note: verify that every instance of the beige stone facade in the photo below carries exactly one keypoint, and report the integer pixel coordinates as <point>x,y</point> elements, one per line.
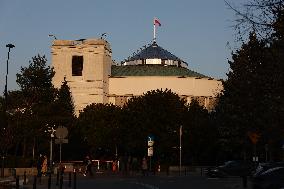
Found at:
<point>86,65</point>
<point>204,90</point>
<point>92,84</point>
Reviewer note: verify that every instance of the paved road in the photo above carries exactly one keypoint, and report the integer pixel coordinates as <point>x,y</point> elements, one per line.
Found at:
<point>149,182</point>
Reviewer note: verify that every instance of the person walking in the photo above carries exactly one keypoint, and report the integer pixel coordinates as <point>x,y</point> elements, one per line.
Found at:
<point>88,166</point>
<point>144,167</point>
<point>44,165</point>
<point>114,166</point>
<point>39,167</point>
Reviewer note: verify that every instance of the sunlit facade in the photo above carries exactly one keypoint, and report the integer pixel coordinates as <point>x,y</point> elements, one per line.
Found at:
<point>94,78</point>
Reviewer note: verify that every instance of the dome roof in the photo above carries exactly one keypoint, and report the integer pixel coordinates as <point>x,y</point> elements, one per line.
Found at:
<point>153,70</point>
<point>154,51</point>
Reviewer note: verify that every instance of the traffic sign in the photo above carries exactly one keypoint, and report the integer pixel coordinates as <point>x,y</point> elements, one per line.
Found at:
<point>253,137</point>
<point>61,132</point>
<point>150,151</point>
<point>150,143</point>
<point>150,139</point>
<point>61,141</point>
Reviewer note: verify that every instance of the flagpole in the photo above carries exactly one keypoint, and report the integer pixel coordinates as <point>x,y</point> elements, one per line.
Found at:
<point>154,31</point>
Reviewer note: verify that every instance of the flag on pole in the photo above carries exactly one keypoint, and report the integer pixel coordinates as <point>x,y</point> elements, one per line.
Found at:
<point>157,22</point>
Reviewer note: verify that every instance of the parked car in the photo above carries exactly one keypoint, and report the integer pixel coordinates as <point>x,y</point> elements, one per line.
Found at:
<point>231,168</point>
<point>265,166</point>
<point>270,179</point>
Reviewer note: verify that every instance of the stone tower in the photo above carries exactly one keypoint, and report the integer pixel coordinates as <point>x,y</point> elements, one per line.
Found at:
<point>86,65</point>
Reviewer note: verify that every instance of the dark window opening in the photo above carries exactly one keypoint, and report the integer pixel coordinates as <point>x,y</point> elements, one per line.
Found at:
<point>77,65</point>
<point>163,62</point>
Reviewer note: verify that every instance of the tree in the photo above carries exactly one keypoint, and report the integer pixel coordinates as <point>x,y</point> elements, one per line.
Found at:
<point>157,112</point>
<point>63,106</point>
<point>240,107</point>
<point>252,98</point>
<point>38,95</point>
<point>100,128</point>
<point>199,136</point>
<point>35,81</point>
<point>265,19</point>
<point>257,16</point>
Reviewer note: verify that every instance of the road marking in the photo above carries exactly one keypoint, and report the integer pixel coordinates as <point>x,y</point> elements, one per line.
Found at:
<point>146,185</point>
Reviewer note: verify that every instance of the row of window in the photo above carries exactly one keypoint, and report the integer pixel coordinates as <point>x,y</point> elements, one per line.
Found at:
<point>208,102</point>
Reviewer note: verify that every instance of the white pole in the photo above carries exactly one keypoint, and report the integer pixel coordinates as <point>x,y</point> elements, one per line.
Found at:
<point>50,157</point>
<point>60,151</point>
<point>180,133</point>
<point>154,32</point>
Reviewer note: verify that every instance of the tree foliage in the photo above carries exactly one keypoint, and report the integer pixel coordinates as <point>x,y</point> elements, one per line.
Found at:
<point>99,125</point>
<point>159,113</point>
<point>199,136</point>
<point>35,81</point>
<point>252,99</point>
<point>257,16</point>
<point>63,106</point>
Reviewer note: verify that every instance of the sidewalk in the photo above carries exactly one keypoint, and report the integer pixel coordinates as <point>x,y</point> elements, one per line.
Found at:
<point>9,182</point>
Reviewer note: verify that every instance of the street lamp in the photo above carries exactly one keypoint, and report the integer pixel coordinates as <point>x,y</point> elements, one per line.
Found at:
<point>51,35</point>
<point>180,135</point>
<point>9,46</point>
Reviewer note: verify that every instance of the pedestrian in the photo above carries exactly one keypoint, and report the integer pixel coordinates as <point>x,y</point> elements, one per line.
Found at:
<point>88,166</point>
<point>114,166</point>
<point>44,165</point>
<point>39,165</point>
<point>135,164</point>
<point>144,166</point>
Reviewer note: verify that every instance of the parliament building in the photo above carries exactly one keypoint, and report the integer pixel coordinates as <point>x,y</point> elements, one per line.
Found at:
<point>93,77</point>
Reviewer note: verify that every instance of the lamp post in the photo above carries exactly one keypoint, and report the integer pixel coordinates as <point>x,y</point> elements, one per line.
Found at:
<point>9,46</point>
<point>51,130</point>
<point>51,35</point>
<point>180,134</point>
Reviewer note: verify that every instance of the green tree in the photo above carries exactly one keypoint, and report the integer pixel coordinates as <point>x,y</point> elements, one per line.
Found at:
<point>252,99</point>
<point>35,81</point>
<point>262,76</point>
<point>38,95</point>
<point>199,136</point>
<point>63,106</point>
<point>241,105</point>
<point>100,128</point>
<point>157,112</point>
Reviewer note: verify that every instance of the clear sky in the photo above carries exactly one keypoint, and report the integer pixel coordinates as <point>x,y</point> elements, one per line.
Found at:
<point>196,31</point>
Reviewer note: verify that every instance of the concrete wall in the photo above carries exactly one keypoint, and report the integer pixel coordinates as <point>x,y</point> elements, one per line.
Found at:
<point>203,90</point>
<point>92,86</point>
<point>189,86</point>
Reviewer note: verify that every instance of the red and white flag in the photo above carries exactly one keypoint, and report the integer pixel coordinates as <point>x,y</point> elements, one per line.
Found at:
<point>157,22</point>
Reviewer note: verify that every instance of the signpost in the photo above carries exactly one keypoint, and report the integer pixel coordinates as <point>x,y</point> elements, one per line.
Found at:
<point>150,140</point>
<point>61,133</point>
<point>254,137</point>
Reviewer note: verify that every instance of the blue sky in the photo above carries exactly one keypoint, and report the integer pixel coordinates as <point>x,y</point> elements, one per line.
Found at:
<point>197,31</point>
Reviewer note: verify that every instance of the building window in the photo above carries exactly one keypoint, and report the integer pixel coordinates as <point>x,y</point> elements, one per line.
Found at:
<point>77,65</point>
